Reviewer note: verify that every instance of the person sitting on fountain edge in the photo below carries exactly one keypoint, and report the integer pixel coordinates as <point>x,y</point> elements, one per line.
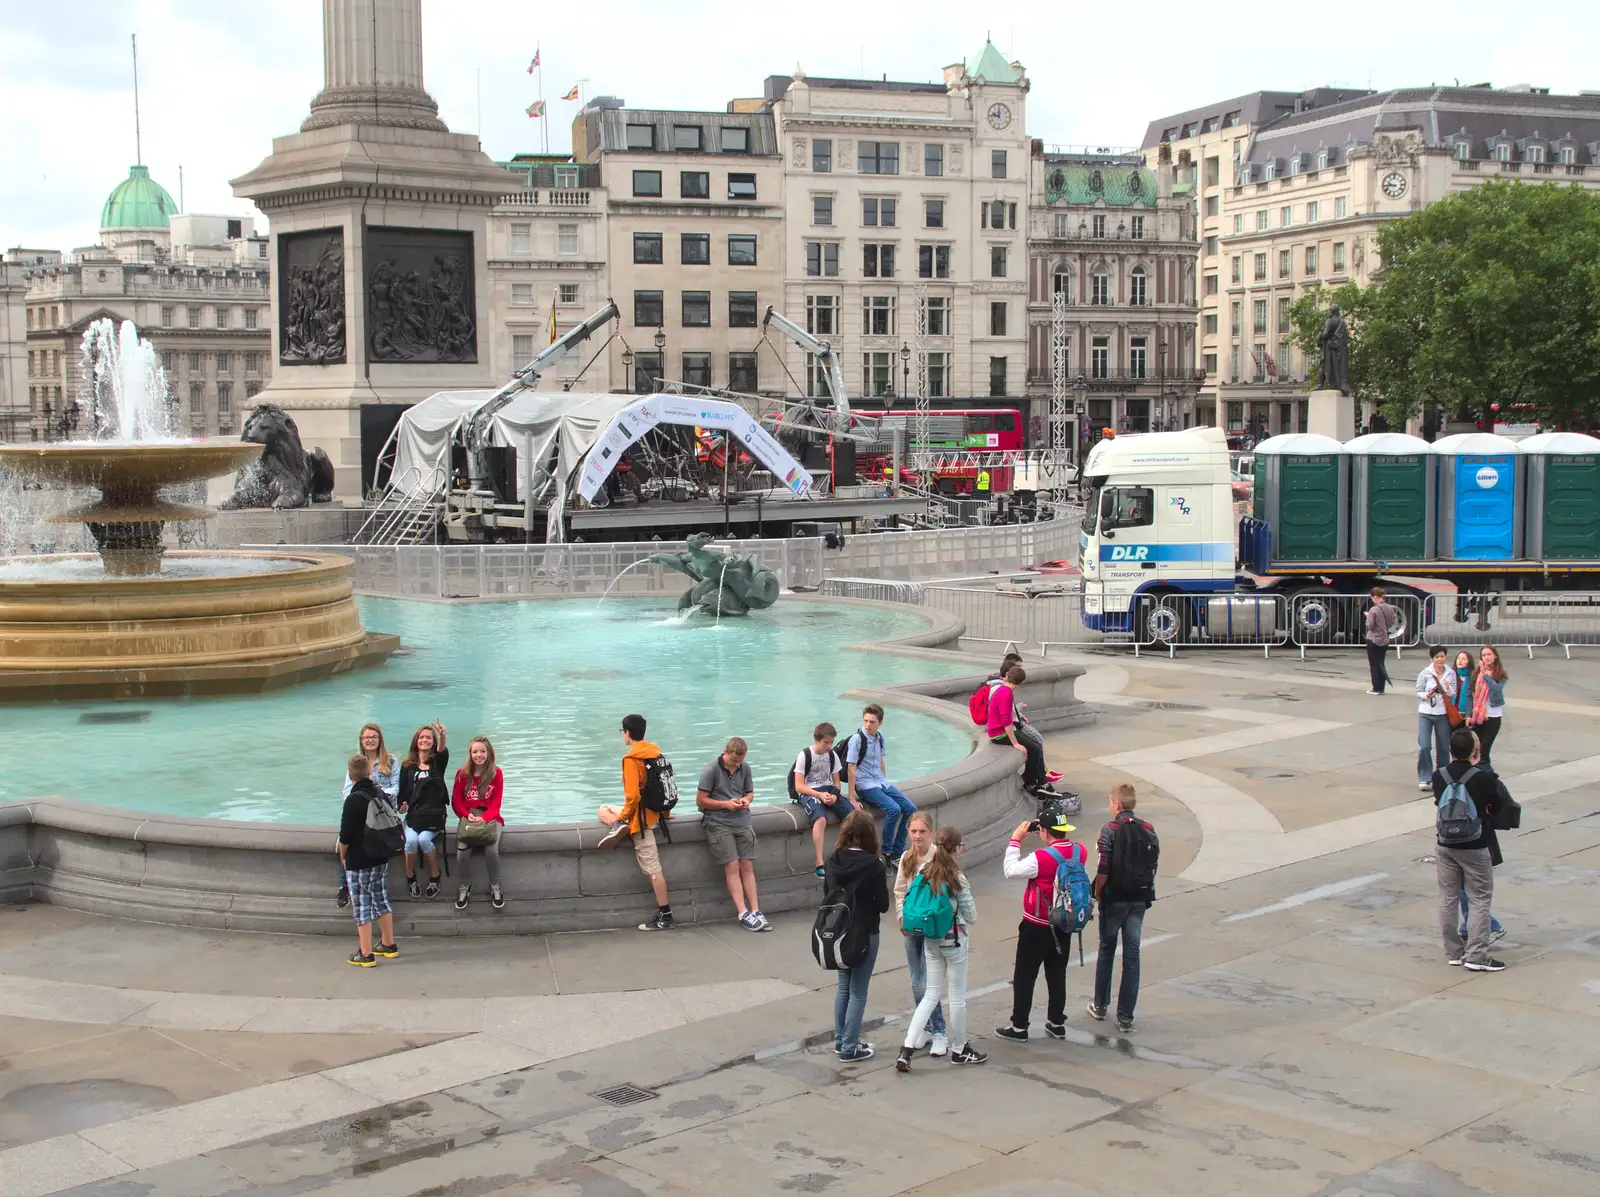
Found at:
<point>638,822</point>
<point>815,785</point>
<point>869,782</point>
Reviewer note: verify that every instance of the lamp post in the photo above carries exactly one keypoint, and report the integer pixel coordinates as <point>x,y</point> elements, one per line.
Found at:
<point>1161,347</point>
<point>905,369</point>
<point>660,340</point>
<point>630,383</point>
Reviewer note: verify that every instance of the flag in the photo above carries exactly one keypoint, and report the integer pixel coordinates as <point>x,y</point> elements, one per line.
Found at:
<point>554,299</point>
<point>536,109</point>
<point>534,65</point>
<point>571,95</point>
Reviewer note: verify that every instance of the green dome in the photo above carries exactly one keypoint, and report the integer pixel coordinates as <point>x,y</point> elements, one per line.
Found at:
<point>138,202</point>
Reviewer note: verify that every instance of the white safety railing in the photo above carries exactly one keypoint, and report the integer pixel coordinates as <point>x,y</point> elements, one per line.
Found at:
<point>1320,619</point>
<point>1576,619</point>
<point>926,554</point>
<point>910,593</point>
<point>1520,619</point>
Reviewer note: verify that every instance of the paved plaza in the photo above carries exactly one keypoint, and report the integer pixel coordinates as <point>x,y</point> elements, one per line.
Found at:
<point>1298,1032</point>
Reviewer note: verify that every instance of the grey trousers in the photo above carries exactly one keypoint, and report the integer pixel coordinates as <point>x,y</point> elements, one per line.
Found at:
<point>491,861</point>
<point>1468,868</point>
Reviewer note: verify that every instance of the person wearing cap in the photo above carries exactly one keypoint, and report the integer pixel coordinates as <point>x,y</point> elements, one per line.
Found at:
<point>1036,940</point>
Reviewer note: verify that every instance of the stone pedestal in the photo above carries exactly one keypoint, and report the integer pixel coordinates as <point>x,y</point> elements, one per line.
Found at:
<point>379,237</point>
<point>1332,413</point>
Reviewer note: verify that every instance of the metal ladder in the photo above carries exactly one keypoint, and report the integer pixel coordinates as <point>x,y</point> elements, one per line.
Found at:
<point>406,514</point>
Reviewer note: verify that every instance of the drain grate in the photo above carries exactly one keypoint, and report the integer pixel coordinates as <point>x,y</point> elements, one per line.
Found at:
<point>626,1095</point>
<point>115,717</point>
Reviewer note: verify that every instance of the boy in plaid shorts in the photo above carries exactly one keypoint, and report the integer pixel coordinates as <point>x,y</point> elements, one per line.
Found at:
<point>367,878</point>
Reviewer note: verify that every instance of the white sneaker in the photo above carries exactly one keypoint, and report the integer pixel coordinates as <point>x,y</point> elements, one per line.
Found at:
<point>923,1040</point>
<point>1424,785</point>
<point>1379,693</point>
<point>941,1046</point>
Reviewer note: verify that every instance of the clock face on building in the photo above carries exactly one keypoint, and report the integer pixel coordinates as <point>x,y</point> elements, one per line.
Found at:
<point>1394,184</point>
<point>999,115</point>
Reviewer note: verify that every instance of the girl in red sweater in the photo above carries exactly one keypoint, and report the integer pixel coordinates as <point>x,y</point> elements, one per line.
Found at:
<point>475,798</point>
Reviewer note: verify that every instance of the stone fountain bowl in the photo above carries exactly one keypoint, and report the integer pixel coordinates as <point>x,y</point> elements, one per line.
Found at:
<point>127,470</point>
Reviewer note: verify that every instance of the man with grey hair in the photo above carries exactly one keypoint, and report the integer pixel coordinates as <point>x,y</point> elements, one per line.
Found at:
<point>723,795</point>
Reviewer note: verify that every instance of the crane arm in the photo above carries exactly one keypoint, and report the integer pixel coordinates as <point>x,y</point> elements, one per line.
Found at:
<point>826,357</point>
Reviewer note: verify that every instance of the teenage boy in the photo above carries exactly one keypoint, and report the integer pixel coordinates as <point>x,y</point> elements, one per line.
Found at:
<point>816,785</point>
<point>1036,939</point>
<point>1025,732</point>
<point>869,782</point>
<point>723,795</point>
<point>1005,727</point>
<point>366,878</point>
<point>1125,885</point>
<point>1468,867</point>
<point>636,821</point>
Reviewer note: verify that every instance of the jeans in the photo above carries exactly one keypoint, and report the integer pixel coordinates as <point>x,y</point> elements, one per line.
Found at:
<point>491,861</point>
<point>1376,666</point>
<point>1433,731</point>
<point>1487,731</point>
<point>946,961</point>
<point>850,1001</point>
<point>419,841</point>
<point>1033,768</point>
<point>917,966</point>
<point>1127,918</point>
<point>897,810</point>
<point>1036,946</point>
<point>1494,923</point>
<point>1469,869</point>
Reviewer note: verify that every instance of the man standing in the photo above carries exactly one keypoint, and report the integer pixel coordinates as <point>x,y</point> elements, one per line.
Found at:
<point>1125,884</point>
<point>367,877</point>
<point>724,794</point>
<point>1036,940</point>
<point>1467,845</point>
<point>1382,619</point>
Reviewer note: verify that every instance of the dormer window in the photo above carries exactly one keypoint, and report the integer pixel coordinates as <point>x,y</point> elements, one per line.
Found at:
<point>1294,163</point>
<point>1270,170</point>
<point>1324,159</point>
<point>1569,155</point>
<point>1535,153</point>
<point>1502,152</point>
<point>1463,151</point>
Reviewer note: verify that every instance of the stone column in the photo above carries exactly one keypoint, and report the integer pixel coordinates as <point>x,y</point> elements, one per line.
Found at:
<point>372,66</point>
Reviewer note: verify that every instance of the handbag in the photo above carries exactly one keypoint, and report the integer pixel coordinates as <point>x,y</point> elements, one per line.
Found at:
<point>1451,711</point>
<point>477,833</point>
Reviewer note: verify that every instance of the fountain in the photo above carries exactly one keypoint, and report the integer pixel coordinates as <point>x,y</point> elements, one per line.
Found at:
<point>141,620</point>
<point>751,587</point>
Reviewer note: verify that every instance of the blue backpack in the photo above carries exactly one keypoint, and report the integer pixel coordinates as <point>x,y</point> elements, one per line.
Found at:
<point>925,913</point>
<point>1071,901</point>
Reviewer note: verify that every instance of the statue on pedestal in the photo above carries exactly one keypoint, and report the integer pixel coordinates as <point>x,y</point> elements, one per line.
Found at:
<point>725,583</point>
<point>1333,342</point>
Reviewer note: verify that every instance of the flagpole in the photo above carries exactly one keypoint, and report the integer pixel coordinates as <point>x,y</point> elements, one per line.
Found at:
<point>544,118</point>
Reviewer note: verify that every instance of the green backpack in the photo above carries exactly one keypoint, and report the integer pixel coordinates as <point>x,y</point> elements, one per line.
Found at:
<point>925,913</point>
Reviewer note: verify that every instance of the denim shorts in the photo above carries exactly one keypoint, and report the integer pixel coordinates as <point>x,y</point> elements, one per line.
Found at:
<point>419,840</point>
<point>816,809</point>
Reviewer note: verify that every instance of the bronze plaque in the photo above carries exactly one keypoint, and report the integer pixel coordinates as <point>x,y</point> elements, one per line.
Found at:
<point>421,296</point>
<point>311,298</point>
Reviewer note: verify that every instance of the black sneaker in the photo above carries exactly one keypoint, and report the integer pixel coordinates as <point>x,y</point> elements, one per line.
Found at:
<point>1125,1025</point>
<point>1056,1030</point>
<point>863,1051</point>
<point>433,888</point>
<point>462,895</point>
<point>1015,1034</point>
<point>1097,1012</point>
<point>360,961</point>
<point>343,896</point>
<point>1490,965</point>
<point>413,888</point>
<point>969,1055</point>
<point>902,1062</point>
<point>497,898</point>
<point>387,950</point>
<point>659,921</point>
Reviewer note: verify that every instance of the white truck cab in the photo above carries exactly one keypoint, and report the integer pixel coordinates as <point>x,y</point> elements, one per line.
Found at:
<point>1158,518</point>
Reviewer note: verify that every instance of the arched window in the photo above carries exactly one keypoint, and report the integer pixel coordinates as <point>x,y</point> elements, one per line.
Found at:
<point>1061,283</point>
<point>1101,283</point>
<point>1138,295</point>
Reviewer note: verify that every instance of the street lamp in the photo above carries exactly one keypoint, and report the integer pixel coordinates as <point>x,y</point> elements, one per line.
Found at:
<point>905,369</point>
<point>660,340</point>
<point>1165,414</point>
<point>630,383</point>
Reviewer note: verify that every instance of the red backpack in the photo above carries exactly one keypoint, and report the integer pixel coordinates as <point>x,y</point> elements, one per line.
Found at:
<point>978,702</point>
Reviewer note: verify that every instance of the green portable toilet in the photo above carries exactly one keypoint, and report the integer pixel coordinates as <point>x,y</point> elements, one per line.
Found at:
<point>1302,481</point>
<point>1563,504</point>
<point>1391,498</point>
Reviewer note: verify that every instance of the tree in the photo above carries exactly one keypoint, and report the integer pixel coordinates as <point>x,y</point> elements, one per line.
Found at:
<point>1488,297</point>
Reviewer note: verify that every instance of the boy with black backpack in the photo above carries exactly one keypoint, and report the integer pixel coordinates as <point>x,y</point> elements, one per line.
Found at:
<point>649,792</point>
<point>1466,799</point>
<point>814,786</point>
<point>1125,885</point>
<point>370,834</point>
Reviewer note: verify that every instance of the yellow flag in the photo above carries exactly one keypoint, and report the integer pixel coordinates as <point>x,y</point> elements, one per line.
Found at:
<point>553,300</point>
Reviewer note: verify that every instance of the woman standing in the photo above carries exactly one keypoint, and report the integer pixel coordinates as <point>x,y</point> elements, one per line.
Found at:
<point>1462,666</point>
<point>385,775</point>
<point>1434,685</point>
<point>920,852</point>
<point>855,875</point>
<point>424,799</point>
<point>947,961</point>
<point>1488,701</point>
<point>475,798</point>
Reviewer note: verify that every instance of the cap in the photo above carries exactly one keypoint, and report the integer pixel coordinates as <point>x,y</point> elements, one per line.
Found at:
<point>1053,817</point>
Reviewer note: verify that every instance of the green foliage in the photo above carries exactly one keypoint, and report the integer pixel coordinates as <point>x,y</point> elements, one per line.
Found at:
<point>1489,296</point>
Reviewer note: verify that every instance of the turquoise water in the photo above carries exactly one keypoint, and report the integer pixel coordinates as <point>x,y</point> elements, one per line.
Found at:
<point>548,682</point>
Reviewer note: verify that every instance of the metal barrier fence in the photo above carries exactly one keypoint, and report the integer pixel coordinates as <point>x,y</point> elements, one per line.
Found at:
<point>866,588</point>
<point>1577,621</point>
<point>954,552</point>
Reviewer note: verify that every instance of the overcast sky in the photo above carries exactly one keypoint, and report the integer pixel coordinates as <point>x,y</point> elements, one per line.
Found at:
<point>218,79</point>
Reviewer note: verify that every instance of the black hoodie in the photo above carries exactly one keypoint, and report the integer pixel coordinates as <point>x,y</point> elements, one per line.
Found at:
<point>353,827</point>
<point>861,875</point>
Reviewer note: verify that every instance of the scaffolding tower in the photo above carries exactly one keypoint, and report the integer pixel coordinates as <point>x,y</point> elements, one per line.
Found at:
<point>1061,425</point>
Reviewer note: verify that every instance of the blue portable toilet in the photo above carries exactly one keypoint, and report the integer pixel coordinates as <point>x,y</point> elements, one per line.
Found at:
<point>1480,497</point>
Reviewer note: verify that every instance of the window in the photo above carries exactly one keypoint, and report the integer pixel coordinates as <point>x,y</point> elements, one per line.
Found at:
<point>197,400</point>
<point>1211,284</point>
<point>1260,311</point>
<point>224,397</point>
<point>643,137</point>
<point>1100,357</point>
<point>997,167</point>
<point>1270,169</point>
<point>696,310</point>
<point>194,317</point>
<point>1127,507</point>
<point>1464,151</point>
<point>877,316</point>
<point>741,249</point>
<point>1341,207</point>
<point>252,389</point>
<point>816,378</point>
<point>821,155</point>
<point>166,317</point>
<point>694,249</point>
<point>169,361</point>
<point>1211,322</point>
<point>1311,212</point>
<point>1261,267</point>
<point>876,212</point>
<point>697,369</point>
<point>1567,155</point>
<point>997,318</point>
<point>1233,317</point>
<point>877,261</point>
<point>646,309</point>
<point>1213,169</point>
<point>647,248</point>
<point>646,373</point>
<point>1283,316</point>
<point>1212,245</point>
<point>822,259</point>
<point>194,363</point>
<point>1502,152</point>
<point>1535,153</point>
<point>567,295</point>
<point>222,317</point>
<point>938,316</point>
<point>741,309</point>
<point>250,317</point>
<point>997,377</point>
<point>933,159</point>
<point>735,140</point>
<point>877,373</point>
<point>1237,277</point>
<point>694,184</point>
<point>1137,356</point>
<point>1098,226</point>
<point>647,182</point>
<point>1311,259</point>
<point>741,187</point>
<point>743,372</point>
<point>997,261</point>
<point>567,177</point>
<point>1235,409</point>
<point>567,238</point>
<point>886,213</point>
<point>1061,283</point>
<point>521,238</point>
<point>1258,358</point>
<point>822,209</point>
<point>822,315</point>
<point>1210,362</point>
<point>1338,257</point>
<point>933,214</point>
<point>522,294</point>
<point>938,372</point>
<point>1135,225</point>
<point>1138,294</point>
<point>1238,222</point>
<point>879,157</point>
<point>1283,263</point>
<point>1261,219</point>
<point>1099,289</point>
<point>1213,205</point>
<point>252,363</point>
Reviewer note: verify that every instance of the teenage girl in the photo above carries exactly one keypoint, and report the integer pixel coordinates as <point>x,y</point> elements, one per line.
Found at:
<point>424,800</point>
<point>385,775</point>
<point>1488,701</point>
<point>475,798</point>
<point>920,831</point>
<point>947,960</point>
<point>1464,672</point>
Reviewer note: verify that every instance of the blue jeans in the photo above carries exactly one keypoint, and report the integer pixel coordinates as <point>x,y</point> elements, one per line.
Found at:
<point>897,810</point>
<point>1433,731</point>
<point>1494,924</point>
<point>850,1002</point>
<point>419,841</point>
<point>1128,919</point>
<point>917,966</point>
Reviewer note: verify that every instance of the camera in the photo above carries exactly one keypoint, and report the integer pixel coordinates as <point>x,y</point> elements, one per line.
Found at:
<point>1034,825</point>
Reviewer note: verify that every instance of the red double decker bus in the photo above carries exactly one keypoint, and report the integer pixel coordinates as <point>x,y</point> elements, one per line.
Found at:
<point>950,430</point>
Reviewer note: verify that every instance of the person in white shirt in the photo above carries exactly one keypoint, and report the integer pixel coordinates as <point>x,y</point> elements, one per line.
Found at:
<point>815,786</point>
<point>1435,684</point>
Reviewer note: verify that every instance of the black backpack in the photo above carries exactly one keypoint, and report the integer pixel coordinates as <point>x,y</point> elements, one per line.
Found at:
<point>835,939</point>
<point>384,835</point>
<point>1134,856</point>
<point>659,792</point>
<point>836,765</point>
<point>1507,810</point>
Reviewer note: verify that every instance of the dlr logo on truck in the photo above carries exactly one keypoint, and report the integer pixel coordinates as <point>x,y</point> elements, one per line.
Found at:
<point>1130,552</point>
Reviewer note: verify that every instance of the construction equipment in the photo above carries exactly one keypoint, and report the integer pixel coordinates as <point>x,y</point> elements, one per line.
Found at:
<point>827,359</point>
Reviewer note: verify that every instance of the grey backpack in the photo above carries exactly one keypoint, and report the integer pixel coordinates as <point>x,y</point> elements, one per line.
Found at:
<point>385,834</point>
<point>1457,821</point>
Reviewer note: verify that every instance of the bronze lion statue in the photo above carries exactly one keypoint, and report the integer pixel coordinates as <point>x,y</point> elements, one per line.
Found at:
<point>286,475</point>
